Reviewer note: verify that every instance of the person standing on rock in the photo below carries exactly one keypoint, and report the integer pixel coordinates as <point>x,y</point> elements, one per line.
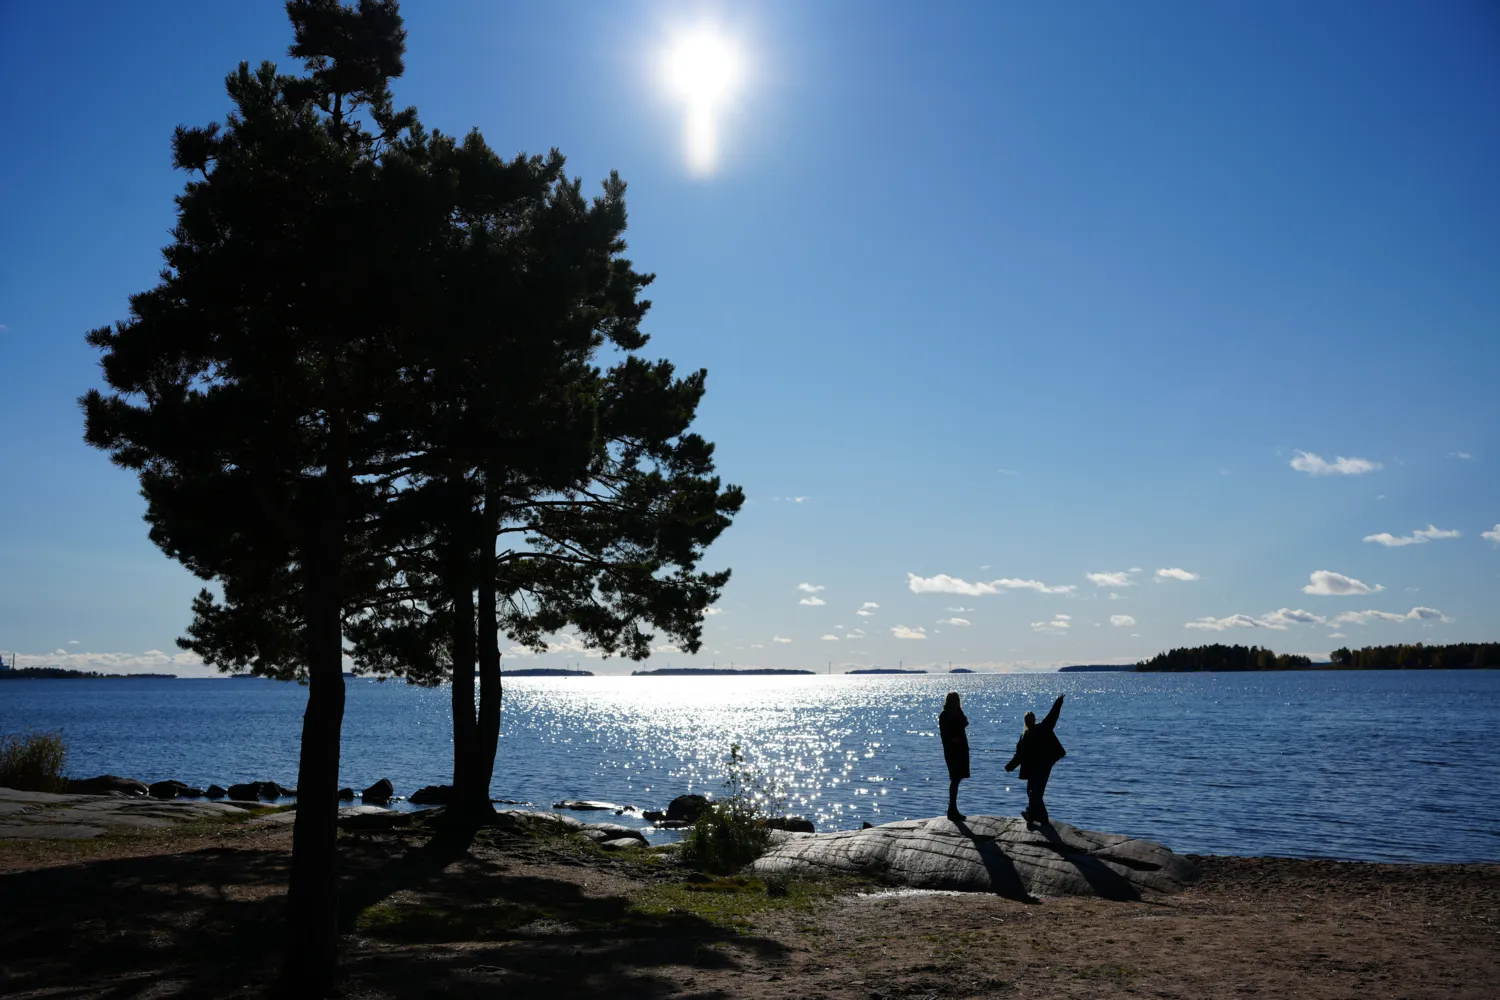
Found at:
<point>951,725</point>
<point>1036,751</point>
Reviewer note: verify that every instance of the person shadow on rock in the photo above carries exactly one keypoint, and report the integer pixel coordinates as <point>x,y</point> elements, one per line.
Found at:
<point>1037,751</point>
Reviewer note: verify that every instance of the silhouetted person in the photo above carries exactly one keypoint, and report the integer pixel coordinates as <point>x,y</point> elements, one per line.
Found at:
<point>1036,751</point>
<point>951,725</point>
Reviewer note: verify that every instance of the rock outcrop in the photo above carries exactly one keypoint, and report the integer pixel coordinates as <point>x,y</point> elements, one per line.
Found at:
<point>432,795</point>
<point>686,808</point>
<point>106,783</point>
<point>379,793</point>
<point>216,791</point>
<point>996,854</point>
<point>794,824</point>
<point>173,790</point>
<point>252,791</point>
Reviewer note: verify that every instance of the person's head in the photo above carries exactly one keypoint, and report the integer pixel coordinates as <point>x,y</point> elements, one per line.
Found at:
<point>950,704</point>
<point>1030,719</point>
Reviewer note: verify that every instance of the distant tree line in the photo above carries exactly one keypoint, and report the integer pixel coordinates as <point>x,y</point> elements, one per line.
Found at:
<point>1454,656</point>
<point>62,673</point>
<point>1221,657</point>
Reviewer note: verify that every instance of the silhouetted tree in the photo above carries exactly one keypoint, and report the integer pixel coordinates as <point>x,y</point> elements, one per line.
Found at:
<point>249,386</point>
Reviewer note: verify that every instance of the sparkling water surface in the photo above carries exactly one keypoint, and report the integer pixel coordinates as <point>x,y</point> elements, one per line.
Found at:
<point>1380,765</point>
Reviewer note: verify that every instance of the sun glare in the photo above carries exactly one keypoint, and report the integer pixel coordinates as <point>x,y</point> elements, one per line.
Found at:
<point>702,69</point>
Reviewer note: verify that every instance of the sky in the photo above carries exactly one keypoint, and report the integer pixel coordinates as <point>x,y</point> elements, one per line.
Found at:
<point>1035,333</point>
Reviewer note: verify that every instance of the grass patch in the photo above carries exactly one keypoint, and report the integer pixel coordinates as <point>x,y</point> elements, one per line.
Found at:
<point>736,900</point>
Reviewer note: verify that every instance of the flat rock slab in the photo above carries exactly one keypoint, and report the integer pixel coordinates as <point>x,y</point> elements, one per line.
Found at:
<point>997,854</point>
<point>44,816</point>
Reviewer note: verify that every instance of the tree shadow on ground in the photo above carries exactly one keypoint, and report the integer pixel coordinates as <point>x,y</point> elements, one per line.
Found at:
<point>438,923</point>
<point>203,923</point>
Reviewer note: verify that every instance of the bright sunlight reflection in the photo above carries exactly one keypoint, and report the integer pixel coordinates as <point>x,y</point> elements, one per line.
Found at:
<point>702,69</point>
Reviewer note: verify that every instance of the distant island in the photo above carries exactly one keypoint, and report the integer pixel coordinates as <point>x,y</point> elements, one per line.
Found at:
<point>58,673</point>
<point>960,670</point>
<point>1094,668</point>
<point>885,670</point>
<point>547,672</point>
<point>1218,657</point>
<point>711,672</point>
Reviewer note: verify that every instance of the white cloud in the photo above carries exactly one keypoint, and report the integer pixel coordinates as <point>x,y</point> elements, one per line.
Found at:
<point>830,638</point>
<point>955,621</point>
<point>152,661</point>
<point>1288,616</point>
<point>1337,635</point>
<point>945,584</point>
<point>902,632</point>
<point>869,604</point>
<point>1326,583</point>
<point>1121,579</point>
<point>777,638</point>
<point>810,588</point>
<point>713,611</point>
<point>1220,624</point>
<point>1059,623</point>
<point>855,633</point>
<point>1121,621</point>
<point>1493,536</point>
<point>757,645</point>
<point>1175,574</point>
<point>1419,537</point>
<point>72,642</point>
<point>1003,472</point>
<point>1314,465</point>
<point>958,610</point>
<point>665,648</point>
<point>1414,615</point>
<point>815,602</point>
<point>1116,597</point>
<point>1461,455</point>
<point>864,614</point>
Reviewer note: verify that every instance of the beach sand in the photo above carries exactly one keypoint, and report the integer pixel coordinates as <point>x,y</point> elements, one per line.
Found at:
<point>196,912</point>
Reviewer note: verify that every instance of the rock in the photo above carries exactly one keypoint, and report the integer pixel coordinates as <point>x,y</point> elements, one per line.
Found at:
<point>866,825</point>
<point>998,854</point>
<point>379,793</point>
<point>251,791</point>
<point>164,789</point>
<point>794,824</point>
<point>534,823</point>
<point>621,843</point>
<point>686,808</point>
<point>106,783</point>
<point>216,792</point>
<point>432,795</point>
<point>346,795</point>
<point>653,815</point>
<point>577,805</point>
<point>600,832</point>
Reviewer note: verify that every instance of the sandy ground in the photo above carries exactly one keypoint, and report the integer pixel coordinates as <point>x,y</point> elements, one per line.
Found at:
<point>196,912</point>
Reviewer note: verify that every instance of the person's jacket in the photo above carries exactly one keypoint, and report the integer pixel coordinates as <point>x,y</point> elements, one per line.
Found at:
<point>1039,745</point>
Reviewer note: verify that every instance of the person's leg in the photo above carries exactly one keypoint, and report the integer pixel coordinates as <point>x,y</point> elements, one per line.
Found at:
<point>953,797</point>
<point>1035,789</point>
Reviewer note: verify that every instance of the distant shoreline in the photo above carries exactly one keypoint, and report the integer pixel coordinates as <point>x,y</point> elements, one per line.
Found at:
<point>60,674</point>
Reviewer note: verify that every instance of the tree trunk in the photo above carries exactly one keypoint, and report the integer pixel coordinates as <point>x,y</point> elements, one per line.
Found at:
<point>464,733</point>
<point>487,735</point>
<point>311,967</point>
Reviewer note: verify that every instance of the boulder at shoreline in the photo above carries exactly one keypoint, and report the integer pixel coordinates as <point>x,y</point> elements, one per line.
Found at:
<point>105,784</point>
<point>997,854</point>
<point>379,793</point>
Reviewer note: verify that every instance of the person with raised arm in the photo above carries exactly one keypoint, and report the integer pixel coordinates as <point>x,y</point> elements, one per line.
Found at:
<point>951,725</point>
<point>1037,751</point>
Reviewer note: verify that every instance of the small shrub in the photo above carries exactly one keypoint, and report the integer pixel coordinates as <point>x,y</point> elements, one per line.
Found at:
<point>731,832</point>
<point>33,762</point>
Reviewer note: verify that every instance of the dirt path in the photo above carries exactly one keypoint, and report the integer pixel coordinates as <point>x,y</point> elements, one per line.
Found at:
<point>200,915</point>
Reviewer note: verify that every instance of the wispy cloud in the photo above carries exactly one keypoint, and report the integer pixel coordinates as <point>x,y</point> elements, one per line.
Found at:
<point>954,621</point>
<point>865,614</point>
<point>1277,621</point>
<point>1462,456</point>
<point>1059,623</point>
<point>780,639</point>
<point>1493,536</point>
<point>869,604</point>
<point>1121,621</point>
<point>1288,616</point>
<point>902,632</point>
<point>790,499</point>
<point>1003,472</point>
<point>1116,597</point>
<point>855,633</point>
<point>1365,617</point>
<point>1220,624</point>
<point>815,602</point>
<point>1326,583</point>
<point>151,661</point>
<point>713,611</point>
<point>830,638</point>
<point>1419,537</point>
<point>810,588</point>
<point>1315,465</point>
<point>1124,578</point>
<point>1163,575</point>
<point>945,584</point>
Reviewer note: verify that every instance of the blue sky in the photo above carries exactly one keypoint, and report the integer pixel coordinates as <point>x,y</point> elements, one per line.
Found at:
<point>993,297</point>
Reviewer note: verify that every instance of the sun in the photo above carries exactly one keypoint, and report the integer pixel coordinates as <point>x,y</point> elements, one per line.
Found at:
<point>702,68</point>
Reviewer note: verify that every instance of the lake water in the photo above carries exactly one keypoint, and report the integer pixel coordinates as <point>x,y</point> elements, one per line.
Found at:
<point>1380,766</point>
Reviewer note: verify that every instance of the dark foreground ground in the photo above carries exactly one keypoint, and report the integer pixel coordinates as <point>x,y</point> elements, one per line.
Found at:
<point>195,912</point>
